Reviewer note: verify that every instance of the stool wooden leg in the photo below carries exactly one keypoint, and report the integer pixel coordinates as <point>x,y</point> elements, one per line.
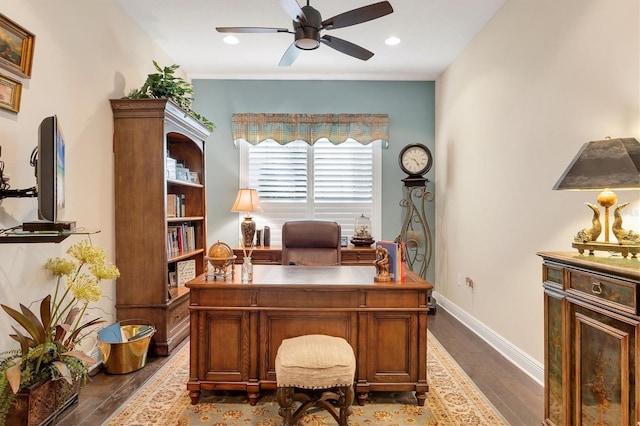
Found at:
<point>287,398</point>
<point>283,396</point>
<point>346,399</point>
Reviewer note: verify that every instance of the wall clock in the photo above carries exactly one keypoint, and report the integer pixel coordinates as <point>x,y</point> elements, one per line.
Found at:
<point>415,160</point>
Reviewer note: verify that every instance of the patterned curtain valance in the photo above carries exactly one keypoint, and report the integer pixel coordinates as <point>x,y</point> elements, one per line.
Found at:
<point>285,128</point>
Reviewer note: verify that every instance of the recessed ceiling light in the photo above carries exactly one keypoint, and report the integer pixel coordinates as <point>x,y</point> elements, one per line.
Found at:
<point>231,39</point>
<point>392,41</point>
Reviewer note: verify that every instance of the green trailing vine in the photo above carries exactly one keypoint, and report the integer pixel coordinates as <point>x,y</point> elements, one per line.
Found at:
<point>166,85</point>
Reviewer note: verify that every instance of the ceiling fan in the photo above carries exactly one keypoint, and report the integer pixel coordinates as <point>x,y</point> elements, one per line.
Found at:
<point>307,24</point>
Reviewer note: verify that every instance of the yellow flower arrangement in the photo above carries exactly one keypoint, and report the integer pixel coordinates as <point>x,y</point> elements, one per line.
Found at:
<point>47,349</point>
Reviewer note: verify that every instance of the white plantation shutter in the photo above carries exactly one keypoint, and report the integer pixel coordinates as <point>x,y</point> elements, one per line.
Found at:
<point>324,181</point>
<point>279,172</point>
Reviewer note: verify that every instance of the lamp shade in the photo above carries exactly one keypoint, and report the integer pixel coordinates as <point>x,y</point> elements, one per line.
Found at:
<point>609,163</point>
<point>247,200</point>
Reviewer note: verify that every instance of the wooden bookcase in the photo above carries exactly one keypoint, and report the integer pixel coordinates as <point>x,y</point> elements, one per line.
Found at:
<point>146,132</point>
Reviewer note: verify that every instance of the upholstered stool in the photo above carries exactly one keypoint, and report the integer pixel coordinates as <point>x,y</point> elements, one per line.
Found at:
<point>315,370</point>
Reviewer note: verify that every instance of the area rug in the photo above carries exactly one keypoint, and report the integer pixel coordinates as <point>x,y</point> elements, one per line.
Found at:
<point>452,399</point>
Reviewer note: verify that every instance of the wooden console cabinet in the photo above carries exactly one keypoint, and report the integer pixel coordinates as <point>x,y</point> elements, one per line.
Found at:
<point>273,255</point>
<point>592,339</point>
<point>236,328</point>
<point>146,132</point>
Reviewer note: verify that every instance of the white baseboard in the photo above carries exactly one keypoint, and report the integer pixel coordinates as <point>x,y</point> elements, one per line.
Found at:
<point>513,354</point>
<point>97,356</point>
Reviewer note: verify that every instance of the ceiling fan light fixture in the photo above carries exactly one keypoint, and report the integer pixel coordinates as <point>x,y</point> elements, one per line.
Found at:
<point>307,38</point>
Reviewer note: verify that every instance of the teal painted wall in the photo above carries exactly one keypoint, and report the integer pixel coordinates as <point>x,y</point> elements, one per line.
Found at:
<point>411,109</point>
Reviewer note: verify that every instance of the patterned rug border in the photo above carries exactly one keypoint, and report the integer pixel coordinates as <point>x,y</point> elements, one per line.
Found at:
<point>453,398</point>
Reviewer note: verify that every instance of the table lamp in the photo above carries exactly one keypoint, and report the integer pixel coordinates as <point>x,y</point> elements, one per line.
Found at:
<point>605,165</point>
<point>247,201</point>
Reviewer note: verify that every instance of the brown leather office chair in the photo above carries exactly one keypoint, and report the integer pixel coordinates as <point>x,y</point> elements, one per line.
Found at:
<point>310,242</point>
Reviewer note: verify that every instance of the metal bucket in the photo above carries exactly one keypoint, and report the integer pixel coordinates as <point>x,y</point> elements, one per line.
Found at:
<point>129,355</point>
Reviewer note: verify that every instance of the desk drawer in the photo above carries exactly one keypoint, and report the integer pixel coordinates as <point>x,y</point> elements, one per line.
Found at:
<point>308,298</point>
<point>617,294</point>
<point>358,257</point>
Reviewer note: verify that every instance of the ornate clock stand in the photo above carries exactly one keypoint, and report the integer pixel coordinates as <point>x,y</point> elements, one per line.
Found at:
<point>415,231</point>
<point>416,160</point>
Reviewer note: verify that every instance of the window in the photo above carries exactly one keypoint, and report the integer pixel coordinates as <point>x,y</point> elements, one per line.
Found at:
<point>324,181</point>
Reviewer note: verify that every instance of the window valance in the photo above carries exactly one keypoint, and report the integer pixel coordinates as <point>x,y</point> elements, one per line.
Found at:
<point>285,128</point>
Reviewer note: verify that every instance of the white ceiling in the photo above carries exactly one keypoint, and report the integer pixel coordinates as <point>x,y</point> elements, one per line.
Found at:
<point>433,33</point>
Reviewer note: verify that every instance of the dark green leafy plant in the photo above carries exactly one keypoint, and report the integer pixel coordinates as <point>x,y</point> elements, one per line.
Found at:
<point>166,85</point>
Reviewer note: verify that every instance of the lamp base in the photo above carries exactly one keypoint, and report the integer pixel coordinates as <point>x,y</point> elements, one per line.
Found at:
<point>624,249</point>
<point>248,228</point>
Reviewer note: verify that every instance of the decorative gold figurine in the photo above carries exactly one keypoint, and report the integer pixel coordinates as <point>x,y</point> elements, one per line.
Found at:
<point>382,264</point>
<point>628,240</point>
<point>590,234</point>
<point>623,236</point>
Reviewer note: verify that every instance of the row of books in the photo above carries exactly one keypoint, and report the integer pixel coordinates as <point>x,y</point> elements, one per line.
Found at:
<point>181,238</point>
<point>396,253</point>
<point>176,205</point>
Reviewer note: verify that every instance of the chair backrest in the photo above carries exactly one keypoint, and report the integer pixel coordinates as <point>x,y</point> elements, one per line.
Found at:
<point>310,242</point>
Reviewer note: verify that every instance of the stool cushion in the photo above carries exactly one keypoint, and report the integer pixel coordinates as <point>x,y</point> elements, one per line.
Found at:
<point>315,361</point>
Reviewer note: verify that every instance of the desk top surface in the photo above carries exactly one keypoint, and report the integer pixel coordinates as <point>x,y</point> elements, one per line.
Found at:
<point>318,276</point>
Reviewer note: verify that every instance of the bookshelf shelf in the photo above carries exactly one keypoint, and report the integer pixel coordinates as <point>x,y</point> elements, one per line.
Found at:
<point>157,217</point>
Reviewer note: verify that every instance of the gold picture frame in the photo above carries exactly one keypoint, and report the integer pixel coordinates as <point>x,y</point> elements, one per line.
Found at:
<point>16,47</point>
<point>10,92</point>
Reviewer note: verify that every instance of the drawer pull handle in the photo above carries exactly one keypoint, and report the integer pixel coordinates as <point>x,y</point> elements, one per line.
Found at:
<point>596,287</point>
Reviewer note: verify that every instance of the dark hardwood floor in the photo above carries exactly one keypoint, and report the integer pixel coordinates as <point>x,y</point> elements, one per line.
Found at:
<point>517,396</point>
<point>513,393</point>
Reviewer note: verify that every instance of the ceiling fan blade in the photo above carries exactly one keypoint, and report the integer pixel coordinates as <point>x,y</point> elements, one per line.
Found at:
<point>293,10</point>
<point>359,15</point>
<point>346,47</point>
<point>289,56</point>
<point>250,30</point>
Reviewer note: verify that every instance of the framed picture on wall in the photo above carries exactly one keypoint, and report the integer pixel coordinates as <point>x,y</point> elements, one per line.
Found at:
<point>16,47</point>
<point>10,91</point>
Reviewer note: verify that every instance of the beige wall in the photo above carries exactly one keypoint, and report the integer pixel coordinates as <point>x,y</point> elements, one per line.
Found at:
<point>86,52</point>
<point>541,78</point>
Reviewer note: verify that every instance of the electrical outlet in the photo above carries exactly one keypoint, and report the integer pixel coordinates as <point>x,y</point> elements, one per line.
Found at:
<point>469,282</point>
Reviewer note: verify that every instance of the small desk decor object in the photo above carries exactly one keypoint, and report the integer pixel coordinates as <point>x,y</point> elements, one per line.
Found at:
<point>362,232</point>
<point>221,258</point>
<point>604,165</point>
<point>382,265</point>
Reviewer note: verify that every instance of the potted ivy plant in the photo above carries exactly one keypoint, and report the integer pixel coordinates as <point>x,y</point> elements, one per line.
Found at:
<point>48,364</point>
<point>165,84</point>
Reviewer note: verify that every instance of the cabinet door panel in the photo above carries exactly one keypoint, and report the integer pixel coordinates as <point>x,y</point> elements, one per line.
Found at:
<point>284,325</point>
<point>604,371</point>
<point>393,358</point>
<point>227,346</point>
<point>554,361</point>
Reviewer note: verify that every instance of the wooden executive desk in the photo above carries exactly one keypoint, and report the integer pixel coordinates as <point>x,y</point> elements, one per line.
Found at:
<point>236,328</point>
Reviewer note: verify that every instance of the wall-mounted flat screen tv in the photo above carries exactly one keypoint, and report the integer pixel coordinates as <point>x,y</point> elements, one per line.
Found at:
<point>50,170</point>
